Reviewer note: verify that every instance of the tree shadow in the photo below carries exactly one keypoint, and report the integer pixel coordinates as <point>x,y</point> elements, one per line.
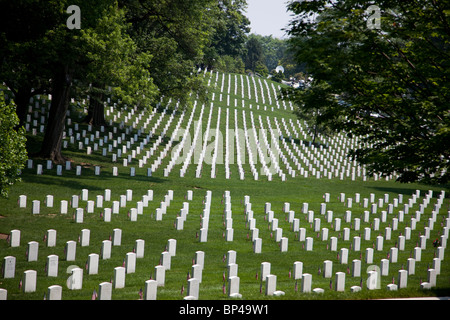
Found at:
<point>408,191</point>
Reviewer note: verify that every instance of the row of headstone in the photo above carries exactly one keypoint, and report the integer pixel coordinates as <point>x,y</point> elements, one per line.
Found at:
<point>158,161</point>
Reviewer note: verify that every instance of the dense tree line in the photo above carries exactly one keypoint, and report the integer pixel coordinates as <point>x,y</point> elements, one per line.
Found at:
<point>380,72</point>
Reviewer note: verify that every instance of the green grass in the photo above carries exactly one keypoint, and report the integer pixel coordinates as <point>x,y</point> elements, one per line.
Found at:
<point>156,233</point>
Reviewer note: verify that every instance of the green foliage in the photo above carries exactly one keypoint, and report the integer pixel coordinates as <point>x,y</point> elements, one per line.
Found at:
<point>114,61</point>
<point>176,34</point>
<point>255,53</point>
<point>277,76</point>
<point>12,146</point>
<point>230,64</point>
<point>392,81</point>
<point>230,27</point>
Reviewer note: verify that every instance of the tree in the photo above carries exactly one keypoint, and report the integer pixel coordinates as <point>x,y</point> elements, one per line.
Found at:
<point>312,108</point>
<point>41,54</point>
<point>255,53</point>
<point>229,34</point>
<point>176,34</point>
<point>12,146</point>
<point>114,67</point>
<point>387,83</point>
<point>25,62</point>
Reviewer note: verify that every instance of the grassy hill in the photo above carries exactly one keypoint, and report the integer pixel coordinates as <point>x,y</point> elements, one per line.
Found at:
<point>149,136</point>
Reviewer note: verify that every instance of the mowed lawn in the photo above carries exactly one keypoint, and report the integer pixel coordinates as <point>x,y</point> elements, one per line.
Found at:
<point>294,190</point>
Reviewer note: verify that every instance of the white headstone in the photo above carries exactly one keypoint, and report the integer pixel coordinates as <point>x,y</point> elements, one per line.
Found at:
<point>257,245</point>
<point>327,269</point>
<point>119,277</point>
<point>150,291</point>
<point>172,247</point>
<point>340,281</point>
<point>70,250</point>
<point>384,267</point>
<point>402,279</point>
<point>193,289</point>
<point>9,267</point>
<point>139,248</point>
<point>52,265</point>
<point>92,263</point>
<point>54,292</point>
<point>117,237</point>
<point>29,281</point>
<point>105,291</point>
<point>32,251</point>
<point>265,270</point>
<point>166,259</point>
<point>106,249</point>
<point>75,281</point>
<point>14,237</point>
<point>160,275</point>
<point>85,237</point>
<point>306,283</point>
<point>271,284</point>
<point>36,207</point>
<point>309,244</point>
<point>130,262</point>
<point>79,215</point>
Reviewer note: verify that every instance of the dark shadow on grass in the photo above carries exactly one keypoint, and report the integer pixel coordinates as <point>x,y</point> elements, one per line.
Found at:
<point>305,142</point>
<point>83,181</point>
<point>409,191</point>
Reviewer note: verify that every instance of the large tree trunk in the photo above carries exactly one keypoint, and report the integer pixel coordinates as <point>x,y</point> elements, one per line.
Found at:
<point>51,146</point>
<point>96,111</point>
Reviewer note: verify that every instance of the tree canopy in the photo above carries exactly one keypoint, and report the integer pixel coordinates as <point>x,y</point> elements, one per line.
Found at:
<point>383,75</point>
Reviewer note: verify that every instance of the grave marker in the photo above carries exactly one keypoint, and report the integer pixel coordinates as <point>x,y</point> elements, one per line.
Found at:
<point>339,281</point>
<point>106,249</point>
<point>402,279</point>
<point>306,283</point>
<point>85,237</point>
<point>29,281</point>
<point>193,289</point>
<point>14,237</point>
<point>139,248</point>
<point>70,250</point>
<point>75,281</point>
<point>9,267</point>
<point>52,265</point>
<point>117,237</point>
<point>32,251</point>
<point>119,278</point>
<point>92,263</point>
<point>54,292</point>
<point>130,262</point>
<point>271,284</point>
<point>105,291</point>
<point>160,275</point>
<point>150,290</point>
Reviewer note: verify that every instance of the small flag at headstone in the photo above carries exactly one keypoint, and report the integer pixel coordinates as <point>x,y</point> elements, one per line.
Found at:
<point>94,295</point>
